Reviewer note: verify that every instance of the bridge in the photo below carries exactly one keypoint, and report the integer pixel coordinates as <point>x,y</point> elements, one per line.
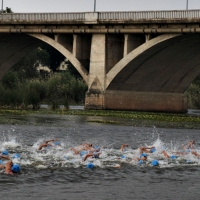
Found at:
<point>130,60</point>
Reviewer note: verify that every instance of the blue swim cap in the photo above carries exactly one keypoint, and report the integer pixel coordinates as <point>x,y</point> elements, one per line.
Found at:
<point>140,162</point>
<point>15,168</point>
<point>188,150</point>
<point>90,165</point>
<point>189,161</point>
<point>5,152</point>
<point>123,156</point>
<point>57,143</point>
<point>97,147</point>
<point>173,157</point>
<point>82,153</point>
<point>1,162</point>
<point>153,150</point>
<point>16,156</point>
<point>155,163</point>
<point>143,155</point>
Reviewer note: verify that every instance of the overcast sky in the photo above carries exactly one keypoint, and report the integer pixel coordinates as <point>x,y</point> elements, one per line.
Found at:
<point>19,6</point>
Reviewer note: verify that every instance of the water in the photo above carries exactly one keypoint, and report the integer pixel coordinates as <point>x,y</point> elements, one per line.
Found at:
<point>59,174</point>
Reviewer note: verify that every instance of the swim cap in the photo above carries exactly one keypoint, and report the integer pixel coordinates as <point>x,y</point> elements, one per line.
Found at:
<point>97,147</point>
<point>15,168</point>
<point>1,162</point>
<point>82,153</point>
<point>188,150</point>
<point>5,152</point>
<point>123,156</point>
<point>155,163</point>
<point>153,150</point>
<point>173,157</point>
<point>57,143</point>
<point>140,162</point>
<point>16,156</point>
<point>90,165</point>
<point>143,155</point>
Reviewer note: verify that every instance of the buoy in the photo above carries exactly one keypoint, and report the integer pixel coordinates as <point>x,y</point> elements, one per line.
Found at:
<point>90,165</point>
<point>155,163</point>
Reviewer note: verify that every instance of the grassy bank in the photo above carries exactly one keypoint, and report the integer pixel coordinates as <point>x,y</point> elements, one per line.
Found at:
<point>145,119</point>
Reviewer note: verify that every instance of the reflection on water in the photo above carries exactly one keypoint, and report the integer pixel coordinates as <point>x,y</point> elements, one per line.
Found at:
<point>57,173</point>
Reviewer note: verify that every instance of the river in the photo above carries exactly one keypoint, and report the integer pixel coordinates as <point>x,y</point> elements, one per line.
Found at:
<point>58,174</point>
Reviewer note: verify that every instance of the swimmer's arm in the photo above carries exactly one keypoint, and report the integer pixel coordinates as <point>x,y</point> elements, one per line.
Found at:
<point>9,167</point>
<point>2,167</point>
<point>5,157</point>
<point>47,141</point>
<point>123,146</point>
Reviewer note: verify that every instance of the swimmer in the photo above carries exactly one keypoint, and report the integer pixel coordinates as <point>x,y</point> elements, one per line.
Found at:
<point>123,146</point>
<point>143,157</point>
<point>189,146</point>
<point>46,144</point>
<point>4,154</point>
<point>147,149</point>
<point>167,155</point>
<point>11,168</point>
<point>93,153</point>
<point>82,147</point>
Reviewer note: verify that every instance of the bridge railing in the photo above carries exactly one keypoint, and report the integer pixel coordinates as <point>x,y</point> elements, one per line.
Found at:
<point>102,16</point>
<point>150,15</point>
<point>42,16</point>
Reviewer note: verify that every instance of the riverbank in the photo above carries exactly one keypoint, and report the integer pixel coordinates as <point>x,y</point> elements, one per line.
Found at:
<point>129,118</point>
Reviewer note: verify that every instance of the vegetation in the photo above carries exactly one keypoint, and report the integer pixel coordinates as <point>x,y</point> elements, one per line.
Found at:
<point>193,94</point>
<point>24,86</point>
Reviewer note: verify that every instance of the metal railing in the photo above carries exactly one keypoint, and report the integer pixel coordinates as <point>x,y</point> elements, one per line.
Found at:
<point>102,16</point>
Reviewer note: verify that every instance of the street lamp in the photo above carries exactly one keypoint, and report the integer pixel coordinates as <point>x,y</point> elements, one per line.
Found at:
<point>94,5</point>
<point>186,4</point>
<point>2,6</point>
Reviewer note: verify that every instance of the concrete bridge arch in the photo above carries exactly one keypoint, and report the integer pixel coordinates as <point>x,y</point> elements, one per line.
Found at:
<point>152,77</point>
<point>75,62</point>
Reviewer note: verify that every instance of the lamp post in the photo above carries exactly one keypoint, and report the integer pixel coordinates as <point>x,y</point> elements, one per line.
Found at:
<point>2,6</point>
<point>186,4</point>
<point>94,5</point>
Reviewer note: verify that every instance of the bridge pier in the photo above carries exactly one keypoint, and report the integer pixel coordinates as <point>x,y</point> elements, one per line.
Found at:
<point>138,101</point>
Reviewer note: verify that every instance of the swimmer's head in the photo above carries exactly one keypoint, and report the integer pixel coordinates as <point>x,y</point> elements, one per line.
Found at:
<point>90,165</point>
<point>155,163</point>
<point>57,143</point>
<point>153,150</point>
<point>15,168</point>
<point>16,155</point>
<point>140,162</point>
<point>5,152</point>
<point>143,155</point>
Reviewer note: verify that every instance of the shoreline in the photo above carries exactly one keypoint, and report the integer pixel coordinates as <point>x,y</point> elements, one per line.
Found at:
<point>127,118</point>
